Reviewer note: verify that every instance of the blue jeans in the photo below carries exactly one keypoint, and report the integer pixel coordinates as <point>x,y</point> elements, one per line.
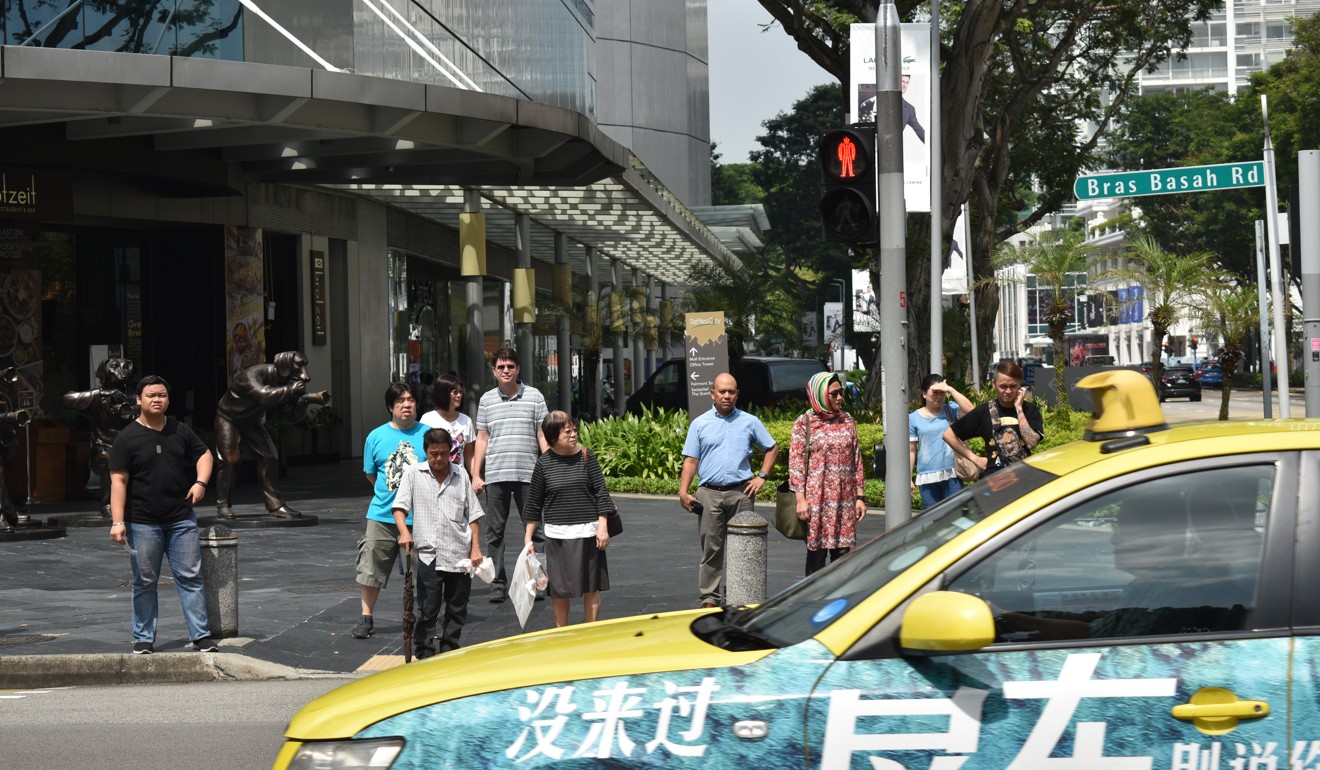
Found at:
<point>937,491</point>
<point>147,544</point>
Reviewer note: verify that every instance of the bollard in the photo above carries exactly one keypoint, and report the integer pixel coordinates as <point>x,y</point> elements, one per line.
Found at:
<point>744,559</point>
<point>220,579</point>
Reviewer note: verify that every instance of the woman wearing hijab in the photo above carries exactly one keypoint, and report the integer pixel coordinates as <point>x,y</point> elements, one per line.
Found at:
<point>825,473</point>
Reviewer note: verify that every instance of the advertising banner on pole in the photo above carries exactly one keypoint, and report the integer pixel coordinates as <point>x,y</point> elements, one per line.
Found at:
<point>915,44</point>
<point>866,315</point>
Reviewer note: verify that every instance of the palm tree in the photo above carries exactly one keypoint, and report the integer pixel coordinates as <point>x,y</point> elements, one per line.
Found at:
<point>1230,313</point>
<point>757,295</point>
<point>1054,258</point>
<point>1170,283</point>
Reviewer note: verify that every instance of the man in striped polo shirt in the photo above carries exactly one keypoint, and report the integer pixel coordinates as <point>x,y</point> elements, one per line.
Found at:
<point>508,442</point>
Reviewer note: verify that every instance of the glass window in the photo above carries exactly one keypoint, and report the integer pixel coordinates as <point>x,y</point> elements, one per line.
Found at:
<point>1177,555</point>
<point>811,605</point>
<point>669,379</point>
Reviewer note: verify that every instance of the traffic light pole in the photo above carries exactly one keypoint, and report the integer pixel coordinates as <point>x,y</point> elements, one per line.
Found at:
<point>892,266</point>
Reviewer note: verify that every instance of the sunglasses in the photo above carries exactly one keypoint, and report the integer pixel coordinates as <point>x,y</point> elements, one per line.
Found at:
<point>504,367</point>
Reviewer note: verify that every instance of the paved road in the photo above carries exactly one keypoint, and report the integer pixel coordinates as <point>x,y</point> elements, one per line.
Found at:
<point>225,726</point>
<point>1242,405</point>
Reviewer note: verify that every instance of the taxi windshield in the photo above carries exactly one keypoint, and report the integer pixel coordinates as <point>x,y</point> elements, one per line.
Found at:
<point>812,604</point>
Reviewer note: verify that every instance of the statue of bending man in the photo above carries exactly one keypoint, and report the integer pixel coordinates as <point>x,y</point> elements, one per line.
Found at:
<point>108,408</point>
<point>240,421</point>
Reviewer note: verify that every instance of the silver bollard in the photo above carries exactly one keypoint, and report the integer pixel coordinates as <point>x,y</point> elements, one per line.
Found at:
<point>745,559</point>
<point>220,579</point>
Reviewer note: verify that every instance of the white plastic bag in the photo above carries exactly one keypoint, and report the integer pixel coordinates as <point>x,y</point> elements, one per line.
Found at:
<point>528,576</point>
<point>486,571</point>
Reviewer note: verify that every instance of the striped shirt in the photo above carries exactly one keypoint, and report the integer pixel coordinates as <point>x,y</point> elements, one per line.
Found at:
<point>513,423</point>
<point>441,513</point>
<point>565,490</point>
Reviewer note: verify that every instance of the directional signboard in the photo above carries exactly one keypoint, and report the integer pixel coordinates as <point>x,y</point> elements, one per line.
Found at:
<point>1165,181</point>
<point>707,349</point>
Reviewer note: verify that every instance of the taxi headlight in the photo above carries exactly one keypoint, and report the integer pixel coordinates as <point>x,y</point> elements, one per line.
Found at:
<point>346,755</point>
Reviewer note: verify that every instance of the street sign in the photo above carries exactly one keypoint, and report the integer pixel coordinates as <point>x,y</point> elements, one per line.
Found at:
<point>1165,181</point>
<point>707,348</point>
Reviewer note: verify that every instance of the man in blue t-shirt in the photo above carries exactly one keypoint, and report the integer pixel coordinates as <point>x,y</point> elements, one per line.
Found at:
<point>719,444</point>
<point>388,452</point>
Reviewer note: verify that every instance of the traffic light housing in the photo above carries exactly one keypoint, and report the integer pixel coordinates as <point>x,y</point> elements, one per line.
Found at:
<point>848,185</point>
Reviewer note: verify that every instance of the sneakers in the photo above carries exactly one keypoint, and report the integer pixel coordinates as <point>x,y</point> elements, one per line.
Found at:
<point>205,644</point>
<point>143,648</point>
<point>365,628</point>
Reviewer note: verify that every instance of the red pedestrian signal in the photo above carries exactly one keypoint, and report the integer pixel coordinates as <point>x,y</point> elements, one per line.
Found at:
<point>848,186</point>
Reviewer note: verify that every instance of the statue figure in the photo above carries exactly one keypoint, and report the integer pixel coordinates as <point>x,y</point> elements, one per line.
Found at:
<point>10,421</point>
<point>109,408</point>
<point>240,421</point>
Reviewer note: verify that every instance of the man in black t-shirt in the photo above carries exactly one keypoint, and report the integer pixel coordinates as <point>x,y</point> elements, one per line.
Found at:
<point>1010,425</point>
<point>159,470</point>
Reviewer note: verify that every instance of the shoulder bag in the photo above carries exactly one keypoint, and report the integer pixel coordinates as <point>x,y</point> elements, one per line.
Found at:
<point>613,522</point>
<point>964,469</point>
<point>786,520</point>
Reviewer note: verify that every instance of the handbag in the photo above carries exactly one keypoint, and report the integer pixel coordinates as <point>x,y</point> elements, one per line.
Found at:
<point>613,522</point>
<point>786,520</point>
<point>964,469</point>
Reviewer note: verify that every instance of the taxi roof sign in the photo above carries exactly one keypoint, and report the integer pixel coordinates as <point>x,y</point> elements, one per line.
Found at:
<point>1123,403</point>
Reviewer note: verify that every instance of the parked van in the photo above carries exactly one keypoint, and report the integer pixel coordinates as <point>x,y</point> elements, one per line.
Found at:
<point>763,381</point>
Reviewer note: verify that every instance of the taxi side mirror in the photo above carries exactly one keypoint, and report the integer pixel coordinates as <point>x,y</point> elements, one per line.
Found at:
<point>947,621</point>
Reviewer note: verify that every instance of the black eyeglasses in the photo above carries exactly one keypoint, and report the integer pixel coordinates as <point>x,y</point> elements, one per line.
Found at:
<point>503,367</point>
<point>836,394</point>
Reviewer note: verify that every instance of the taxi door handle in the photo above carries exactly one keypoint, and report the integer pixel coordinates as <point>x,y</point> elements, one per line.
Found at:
<point>1215,711</point>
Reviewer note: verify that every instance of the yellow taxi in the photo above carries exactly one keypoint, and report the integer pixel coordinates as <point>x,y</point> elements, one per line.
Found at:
<point>1138,600</point>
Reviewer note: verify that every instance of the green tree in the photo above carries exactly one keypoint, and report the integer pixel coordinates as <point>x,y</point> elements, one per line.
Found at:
<point>1171,284</point>
<point>731,183</point>
<point>1055,258</point>
<point>1167,130</point>
<point>786,169</point>
<point>1230,312</point>
<point>1017,77</point>
<point>759,304</point>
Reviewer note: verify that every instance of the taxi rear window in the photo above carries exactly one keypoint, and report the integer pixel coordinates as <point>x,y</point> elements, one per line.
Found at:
<point>812,604</point>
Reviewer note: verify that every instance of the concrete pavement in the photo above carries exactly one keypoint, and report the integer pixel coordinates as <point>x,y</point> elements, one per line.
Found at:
<point>65,604</point>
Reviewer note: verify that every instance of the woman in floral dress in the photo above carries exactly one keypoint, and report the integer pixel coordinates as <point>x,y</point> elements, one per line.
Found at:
<point>827,477</point>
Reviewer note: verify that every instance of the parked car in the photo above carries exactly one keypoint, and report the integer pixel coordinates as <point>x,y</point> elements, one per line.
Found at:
<point>1113,602</point>
<point>1210,375</point>
<point>763,381</point>
<point>1180,382</point>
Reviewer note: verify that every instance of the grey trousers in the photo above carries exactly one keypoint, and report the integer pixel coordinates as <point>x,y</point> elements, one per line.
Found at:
<point>719,508</point>
<point>500,496</point>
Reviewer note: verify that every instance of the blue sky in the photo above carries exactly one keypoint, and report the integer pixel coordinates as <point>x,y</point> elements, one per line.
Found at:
<point>754,75</point>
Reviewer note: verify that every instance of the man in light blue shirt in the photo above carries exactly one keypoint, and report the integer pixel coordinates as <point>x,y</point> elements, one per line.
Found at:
<point>719,444</point>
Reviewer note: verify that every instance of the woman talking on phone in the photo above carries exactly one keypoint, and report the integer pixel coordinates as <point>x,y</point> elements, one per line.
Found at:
<point>1010,425</point>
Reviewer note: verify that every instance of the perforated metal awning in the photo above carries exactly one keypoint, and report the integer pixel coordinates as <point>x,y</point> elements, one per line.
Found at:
<point>208,126</point>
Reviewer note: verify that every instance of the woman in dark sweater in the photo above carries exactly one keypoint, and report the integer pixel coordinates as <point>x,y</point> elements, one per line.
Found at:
<point>568,494</point>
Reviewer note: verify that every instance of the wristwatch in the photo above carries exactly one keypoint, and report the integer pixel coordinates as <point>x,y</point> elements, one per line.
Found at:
<point>760,474</point>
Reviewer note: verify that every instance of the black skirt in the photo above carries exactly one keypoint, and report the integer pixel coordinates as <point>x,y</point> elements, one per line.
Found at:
<point>575,567</point>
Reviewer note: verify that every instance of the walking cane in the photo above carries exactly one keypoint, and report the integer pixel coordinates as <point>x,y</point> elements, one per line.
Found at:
<point>409,617</point>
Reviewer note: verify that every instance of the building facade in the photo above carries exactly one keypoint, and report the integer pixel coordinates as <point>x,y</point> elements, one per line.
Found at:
<point>392,187</point>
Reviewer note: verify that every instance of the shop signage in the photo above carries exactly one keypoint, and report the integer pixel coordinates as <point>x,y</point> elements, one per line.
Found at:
<point>35,194</point>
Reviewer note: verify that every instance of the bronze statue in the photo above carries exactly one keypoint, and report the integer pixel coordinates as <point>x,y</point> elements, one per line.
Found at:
<point>109,408</point>
<point>240,420</point>
<point>10,421</point>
